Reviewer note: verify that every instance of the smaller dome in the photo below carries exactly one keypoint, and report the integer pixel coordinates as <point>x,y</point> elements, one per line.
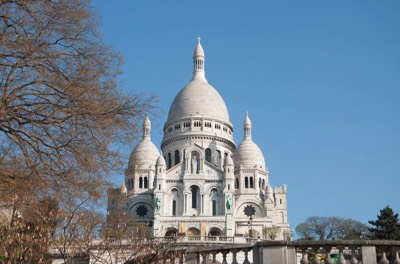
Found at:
<point>161,161</point>
<point>123,188</point>
<point>269,189</point>
<point>228,161</point>
<point>249,155</point>
<point>144,155</point>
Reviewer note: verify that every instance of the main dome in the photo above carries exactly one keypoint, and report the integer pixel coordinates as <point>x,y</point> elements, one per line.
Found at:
<point>198,98</point>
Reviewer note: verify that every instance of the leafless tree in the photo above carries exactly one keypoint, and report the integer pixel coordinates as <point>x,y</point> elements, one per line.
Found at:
<point>333,227</point>
<point>62,116</point>
<point>271,232</point>
<point>122,241</point>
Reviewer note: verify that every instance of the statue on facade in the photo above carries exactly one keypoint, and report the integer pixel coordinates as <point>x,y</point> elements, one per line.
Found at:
<point>157,203</point>
<point>195,165</point>
<point>228,203</point>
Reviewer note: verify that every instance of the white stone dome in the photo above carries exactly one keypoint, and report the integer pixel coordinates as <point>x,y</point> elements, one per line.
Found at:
<point>161,161</point>
<point>144,155</point>
<point>229,161</point>
<point>198,98</point>
<point>249,155</point>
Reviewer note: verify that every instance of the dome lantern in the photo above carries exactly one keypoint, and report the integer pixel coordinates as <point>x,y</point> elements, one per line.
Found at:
<point>247,126</point>
<point>198,61</point>
<point>146,127</point>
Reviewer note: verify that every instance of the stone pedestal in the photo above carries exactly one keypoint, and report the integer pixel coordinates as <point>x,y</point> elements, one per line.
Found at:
<point>368,254</point>
<point>156,230</point>
<point>229,225</point>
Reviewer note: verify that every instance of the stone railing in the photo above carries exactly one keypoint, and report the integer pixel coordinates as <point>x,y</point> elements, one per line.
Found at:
<point>327,252</point>
<point>300,252</point>
<point>203,239</point>
<point>218,250</point>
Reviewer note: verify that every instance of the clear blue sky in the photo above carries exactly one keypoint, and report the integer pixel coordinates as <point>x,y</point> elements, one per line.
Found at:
<point>320,79</point>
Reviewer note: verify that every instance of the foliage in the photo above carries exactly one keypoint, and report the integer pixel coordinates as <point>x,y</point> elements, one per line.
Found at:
<point>271,232</point>
<point>387,225</point>
<point>61,118</point>
<point>326,228</point>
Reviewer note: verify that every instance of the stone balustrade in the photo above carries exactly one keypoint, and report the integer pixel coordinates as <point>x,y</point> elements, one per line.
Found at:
<point>205,250</point>
<point>305,252</point>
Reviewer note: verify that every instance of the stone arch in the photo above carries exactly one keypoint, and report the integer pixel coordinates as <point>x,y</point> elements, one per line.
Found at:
<point>141,210</point>
<point>193,232</point>
<point>187,189</point>
<point>208,155</point>
<point>195,196</point>
<point>259,210</point>
<point>177,157</point>
<point>218,157</point>
<point>171,232</point>
<point>214,231</point>
<point>169,161</point>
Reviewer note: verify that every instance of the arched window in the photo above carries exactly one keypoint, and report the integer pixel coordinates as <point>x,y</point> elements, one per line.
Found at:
<point>169,161</point>
<point>251,183</point>
<point>177,157</point>
<point>145,182</point>
<point>174,207</point>
<point>195,191</point>
<point>208,155</point>
<point>218,161</point>
<point>259,183</point>
<point>214,208</point>
<point>140,182</point>
<point>246,182</point>
<point>237,183</point>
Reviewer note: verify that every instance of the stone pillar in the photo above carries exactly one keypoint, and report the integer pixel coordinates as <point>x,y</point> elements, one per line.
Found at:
<point>234,253</point>
<point>224,253</point>
<point>214,255</point>
<point>368,254</point>
<point>229,225</point>
<point>156,226</point>
<point>275,255</point>
<point>246,258</point>
<point>204,255</point>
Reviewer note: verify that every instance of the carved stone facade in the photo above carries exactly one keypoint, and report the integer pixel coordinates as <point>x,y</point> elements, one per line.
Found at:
<point>202,184</point>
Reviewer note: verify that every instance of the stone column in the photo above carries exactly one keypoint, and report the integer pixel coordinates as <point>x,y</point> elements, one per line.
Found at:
<point>234,253</point>
<point>368,254</point>
<point>224,253</point>
<point>246,258</point>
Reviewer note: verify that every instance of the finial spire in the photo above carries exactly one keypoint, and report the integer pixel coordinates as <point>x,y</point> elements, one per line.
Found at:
<point>146,127</point>
<point>198,61</point>
<point>247,126</point>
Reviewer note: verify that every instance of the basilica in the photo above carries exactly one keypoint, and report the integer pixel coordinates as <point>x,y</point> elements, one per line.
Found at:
<point>200,183</point>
